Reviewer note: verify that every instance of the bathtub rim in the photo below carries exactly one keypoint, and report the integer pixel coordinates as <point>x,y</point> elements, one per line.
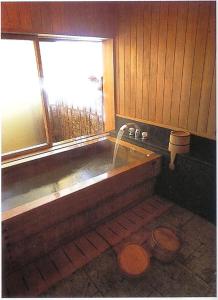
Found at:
<point>21,209</point>
<point>55,150</point>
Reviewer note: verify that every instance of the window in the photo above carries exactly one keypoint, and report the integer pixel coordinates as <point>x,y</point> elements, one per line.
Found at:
<point>22,117</point>
<point>53,90</point>
<point>73,74</point>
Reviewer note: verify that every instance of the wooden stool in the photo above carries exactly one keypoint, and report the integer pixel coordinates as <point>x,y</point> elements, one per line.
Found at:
<point>133,260</point>
<point>164,244</point>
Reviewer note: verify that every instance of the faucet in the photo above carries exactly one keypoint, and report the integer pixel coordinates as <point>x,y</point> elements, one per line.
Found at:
<point>127,125</point>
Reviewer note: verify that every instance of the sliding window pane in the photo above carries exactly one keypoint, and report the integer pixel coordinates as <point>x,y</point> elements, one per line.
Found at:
<point>73,82</point>
<point>22,113</point>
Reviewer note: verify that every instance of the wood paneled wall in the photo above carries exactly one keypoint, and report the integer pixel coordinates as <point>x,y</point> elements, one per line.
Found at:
<point>95,19</point>
<point>165,53</point>
<point>165,64</point>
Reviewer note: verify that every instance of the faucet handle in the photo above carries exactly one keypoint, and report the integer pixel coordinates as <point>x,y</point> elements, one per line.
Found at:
<point>144,135</point>
<point>131,131</point>
<point>137,133</point>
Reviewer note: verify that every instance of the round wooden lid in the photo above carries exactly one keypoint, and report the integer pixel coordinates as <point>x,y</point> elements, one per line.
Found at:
<point>133,260</point>
<point>180,133</point>
<point>166,238</point>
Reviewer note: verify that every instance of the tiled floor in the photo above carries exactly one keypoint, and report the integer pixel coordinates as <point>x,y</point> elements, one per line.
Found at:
<point>87,267</point>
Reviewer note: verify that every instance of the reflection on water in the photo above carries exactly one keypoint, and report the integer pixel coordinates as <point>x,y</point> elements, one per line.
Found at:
<point>62,176</point>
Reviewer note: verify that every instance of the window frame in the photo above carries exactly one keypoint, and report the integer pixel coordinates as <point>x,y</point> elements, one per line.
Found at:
<point>36,38</point>
<point>45,112</point>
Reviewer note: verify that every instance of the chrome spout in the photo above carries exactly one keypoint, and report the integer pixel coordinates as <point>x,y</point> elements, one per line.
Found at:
<point>127,125</point>
<point>122,128</point>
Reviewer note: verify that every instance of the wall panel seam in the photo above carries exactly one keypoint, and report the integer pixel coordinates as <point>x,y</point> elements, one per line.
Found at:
<point>157,64</point>
<point>173,64</point>
<point>184,52</point>
<point>165,64</point>
<point>188,108</point>
<point>205,52</point>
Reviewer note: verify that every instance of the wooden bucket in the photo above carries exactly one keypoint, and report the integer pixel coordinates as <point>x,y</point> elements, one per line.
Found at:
<point>179,143</point>
<point>164,244</point>
<point>133,260</point>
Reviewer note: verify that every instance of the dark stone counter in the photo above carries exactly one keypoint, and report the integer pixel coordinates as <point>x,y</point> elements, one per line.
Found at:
<point>193,182</point>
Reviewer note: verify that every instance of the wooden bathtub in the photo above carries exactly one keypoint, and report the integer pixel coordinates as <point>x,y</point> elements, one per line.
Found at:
<point>81,189</point>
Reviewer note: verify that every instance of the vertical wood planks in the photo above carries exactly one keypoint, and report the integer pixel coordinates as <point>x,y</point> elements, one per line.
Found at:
<point>133,62</point>
<point>68,18</point>
<point>170,59</point>
<point>155,18</point>
<point>207,80</point>
<point>7,17</point>
<point>127,62</point>
<point>163,24</point>
<point>10,17</point>
<point>25,18</point>
<point>146,59</point>
<point>121,62</point>
<point>175,56</point>
<point>188,62</point>
<point>117,70</point>
<point>197,74</point>
<point>139,66</point>
<point>46,21</point>
<point>179,59</point>
<point>57,13</point>
<point>36,17</point>
<point>211,126</point>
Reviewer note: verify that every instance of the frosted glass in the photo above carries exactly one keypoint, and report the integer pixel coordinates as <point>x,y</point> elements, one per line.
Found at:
<point>73,72</point>
<point>21,105</point>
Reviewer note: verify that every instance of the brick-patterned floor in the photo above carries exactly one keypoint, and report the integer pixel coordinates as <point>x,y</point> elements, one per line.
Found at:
<point>87,266</point>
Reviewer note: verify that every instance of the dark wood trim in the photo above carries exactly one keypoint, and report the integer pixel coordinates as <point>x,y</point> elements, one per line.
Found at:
<point>18,36</point>
<point>108,85</point>
<point>49,37</point>
<point>43,93</point>
<point>47,151</point>
<point>19,153</point>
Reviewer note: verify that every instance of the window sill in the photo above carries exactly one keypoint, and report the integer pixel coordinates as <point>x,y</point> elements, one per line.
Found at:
<point>58,148</point>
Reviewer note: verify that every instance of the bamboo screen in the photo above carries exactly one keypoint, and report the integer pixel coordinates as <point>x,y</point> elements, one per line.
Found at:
<point>73,84</point>
<point>69,122</point>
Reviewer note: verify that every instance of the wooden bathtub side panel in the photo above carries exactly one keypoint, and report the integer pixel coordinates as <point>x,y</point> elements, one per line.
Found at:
<point>26,250</point>
<point>40,218</point>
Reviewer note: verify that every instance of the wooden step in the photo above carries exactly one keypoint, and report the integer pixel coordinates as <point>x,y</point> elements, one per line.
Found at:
<point>130,226</point>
